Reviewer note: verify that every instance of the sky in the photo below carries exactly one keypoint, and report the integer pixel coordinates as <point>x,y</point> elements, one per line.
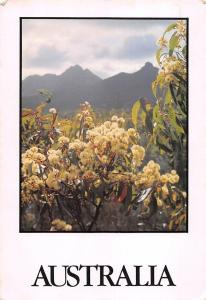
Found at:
<point>105,47</point>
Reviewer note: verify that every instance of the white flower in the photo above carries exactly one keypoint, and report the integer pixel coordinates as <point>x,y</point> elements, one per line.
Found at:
<point>53,110</point>
<point>114,119</point>
<point>63,140</point>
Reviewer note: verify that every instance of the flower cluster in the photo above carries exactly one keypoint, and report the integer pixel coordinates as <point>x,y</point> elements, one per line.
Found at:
<point>77,145</point>
<point>60,225</point>
<point>33,183</point>
<point>111,137</point>
<point>138,153</point>
<point>63,140</point>
<point>165,191</point>
<point>149,175</point>
<point>104,162</point>
<point>54,156</point>
<point>52,180</point>
<point>86,115</point>
<point>162,42</point>
<point>172,54</point>
<point>108,144</point>
<point>170,177</point>
<point>170,66</point>
<point>173,65</point>
<point>123,177</point>
<point>72,174</point>
<point>181,27</point>
<point>32,160</point>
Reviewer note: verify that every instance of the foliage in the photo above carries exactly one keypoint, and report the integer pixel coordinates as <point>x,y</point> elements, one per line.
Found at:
<point>75,171</point>
<point>167,120</point>
<point>94,172</point>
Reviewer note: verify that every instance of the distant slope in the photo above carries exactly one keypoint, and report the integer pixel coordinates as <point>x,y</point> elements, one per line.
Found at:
<point>76,85</point>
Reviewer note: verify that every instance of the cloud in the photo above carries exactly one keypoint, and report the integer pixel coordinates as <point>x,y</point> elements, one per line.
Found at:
<point>136,47</point>
<point>53,45</point>
<point>103,52</point>
<point>46,56</point>
<point>133,23</point>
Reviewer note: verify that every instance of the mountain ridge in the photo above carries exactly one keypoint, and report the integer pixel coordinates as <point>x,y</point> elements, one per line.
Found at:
<point>76,84</point>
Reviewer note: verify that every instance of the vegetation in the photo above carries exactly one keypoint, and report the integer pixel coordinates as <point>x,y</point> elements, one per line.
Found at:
<point>93,173</point>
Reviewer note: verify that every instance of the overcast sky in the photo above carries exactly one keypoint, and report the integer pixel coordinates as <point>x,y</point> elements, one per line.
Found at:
<point>106,47</point>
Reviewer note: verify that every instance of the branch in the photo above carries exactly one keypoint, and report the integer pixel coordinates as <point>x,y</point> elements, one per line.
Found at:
<point>95,217</point>
<point>70,214</point>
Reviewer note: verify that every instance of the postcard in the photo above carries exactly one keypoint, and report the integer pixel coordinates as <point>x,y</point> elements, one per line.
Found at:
<point>102,150</point>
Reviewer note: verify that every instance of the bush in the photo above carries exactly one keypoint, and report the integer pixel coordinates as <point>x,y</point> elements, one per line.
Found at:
<point>80,176</point>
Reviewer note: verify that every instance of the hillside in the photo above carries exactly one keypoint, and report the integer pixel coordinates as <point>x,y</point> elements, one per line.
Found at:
<point>77,84</point>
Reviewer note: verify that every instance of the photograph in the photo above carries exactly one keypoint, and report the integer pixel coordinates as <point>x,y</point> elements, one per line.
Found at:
<point>103,125</point>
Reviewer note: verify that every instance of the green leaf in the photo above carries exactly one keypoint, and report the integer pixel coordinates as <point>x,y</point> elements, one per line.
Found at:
<point>184,51</point>
<point>135,111</point>
<point>148,107</point>
<point>182,80</point>
<point>148,121</point>
<point>154,88</point>
<point>157,120</point>
<point>143,117</point>
<point>173,93</point>
<point>162,145</point>
<point>173,43</point>
<point>156,114</point>
<point>158,55</point>
<point>172,118</point>
<point>168,97</point>
<point>170,27</point>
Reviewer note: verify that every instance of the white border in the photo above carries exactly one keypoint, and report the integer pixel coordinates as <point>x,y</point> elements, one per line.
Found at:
<point>21,254</point>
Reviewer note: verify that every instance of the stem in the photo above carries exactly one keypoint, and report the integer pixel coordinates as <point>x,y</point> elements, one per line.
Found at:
<point>95,217</point>
<point>41,213</point>
<point>70,214</point>
<point>60,208</point>
<point>180,78</point>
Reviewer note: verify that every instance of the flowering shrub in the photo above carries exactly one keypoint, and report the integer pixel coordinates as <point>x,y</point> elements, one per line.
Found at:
<point>166,121</point>
<point>73,169</point>
<point>170,88</point>
<point>89,173</point>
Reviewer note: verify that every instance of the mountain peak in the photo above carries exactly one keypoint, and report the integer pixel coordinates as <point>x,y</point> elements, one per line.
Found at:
<point>76,72</point>
<point>87,70</point>
<point>73,69</point>
<point>147,68</point>
<point>148,65</point>
<point>76,67</point>
<point>76,83</point>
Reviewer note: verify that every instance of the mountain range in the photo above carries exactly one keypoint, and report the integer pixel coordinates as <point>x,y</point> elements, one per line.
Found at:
<point>77,85</point>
